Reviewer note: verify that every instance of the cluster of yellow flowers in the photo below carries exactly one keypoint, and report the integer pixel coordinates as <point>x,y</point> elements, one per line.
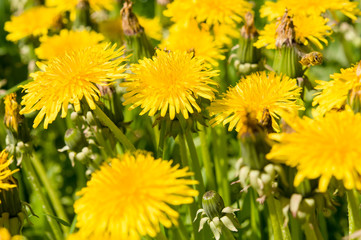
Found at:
<point>130,196</point>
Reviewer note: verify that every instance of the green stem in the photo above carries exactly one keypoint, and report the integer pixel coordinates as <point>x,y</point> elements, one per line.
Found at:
<point>54,197</point>
<point>309,231</point>
<point>161,236</point>
<point>353,204</point>
<point>193,206</point>
<point>115,130</point>
<point>226,233</point>
<point>162,138</point>
<point>36,186</point>
<point>195,162</point>
<point>73,224</point>
<point>284,228</point>
<point>277,232</point>
<point>254,214</point>
<point>207,159</point>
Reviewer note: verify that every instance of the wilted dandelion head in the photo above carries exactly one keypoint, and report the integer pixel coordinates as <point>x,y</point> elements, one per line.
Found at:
<point>323,148</point>
<point>32,22</point>
<point>12,118</point>
<point>170,82</point>
<point>70,77</point>
<point>56,45</point>
<point>312,28</point>
<point>131,196</point>
<point>256,94</point>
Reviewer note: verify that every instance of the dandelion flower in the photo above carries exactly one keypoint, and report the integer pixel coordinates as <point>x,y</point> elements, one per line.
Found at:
<point>66,41</point>
<point>189,37</point>
<point>311,28</point>
<point>70,5</point>
<point>169,82</point>
<point>334,93</point>
<point>131,196</point>
<point>34,21</point>
<point>209,11</point>
<point>323,147</point>
<point>12,118</point>
<point>70,77</point>
<point>273,10</point>
<point>256,94</point>
<point>152,27</point>
<point>5,172</point>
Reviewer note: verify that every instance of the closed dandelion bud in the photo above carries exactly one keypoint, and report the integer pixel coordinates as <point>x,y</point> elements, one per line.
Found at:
<point>245,56</point>
<point>137,42</point>
<point>287,59</point>
<point>212,204</point>
<point>74,139</point>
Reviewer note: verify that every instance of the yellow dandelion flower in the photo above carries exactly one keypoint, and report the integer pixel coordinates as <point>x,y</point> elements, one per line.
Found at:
<point>70,5</point>
<point>334,93</point>
<point>256,94</point>
<point>5,172</point>
<point>152,27</point>
<point>310,28</point>
<point>323,147</point>
<point>12,118</point>
<point>53,46</point>
<point>5,235</point>
<point>224,33</point>
<point>170,80</point>
<point>273,10</point>
<point>70,77</point>
<point>189,37</point>
<point>34,21</point>
<point>209,11</point>
<point>131,196</point>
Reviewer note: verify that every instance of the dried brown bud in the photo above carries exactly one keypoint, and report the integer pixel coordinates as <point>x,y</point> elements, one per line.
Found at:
<point>130,23</point>
<point>249,30</point>
<point>285,32</point>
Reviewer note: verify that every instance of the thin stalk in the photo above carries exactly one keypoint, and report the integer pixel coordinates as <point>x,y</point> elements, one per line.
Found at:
<point>193,206</point>
<point>53,196</point>
<point>162,138</point>
<point>354,220</point>
<point>277,232</point>
<point>310,231</point>
<point>254,214</point>
<point>226,233</point>
<point>207,159</point>
<point>36,186</point>
<point>115,130</point>
<point>284,228</point>
<point>73,224</point>
<point>195,162</point>
<point>161,236</point>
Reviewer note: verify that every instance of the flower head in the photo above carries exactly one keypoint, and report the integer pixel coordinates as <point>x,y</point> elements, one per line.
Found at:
<point>131,196</point>
<point>307,29</point>
<point>209,11</point>
<point>57,45</point>
<point>34,21</point>
<point>12,118</point>
<point>70,77</point>
<point>273,10</point>
<point>189,37</point>
<point>256,94</point>
<point>5,172</point>
<point>70,5</point>
<point>334,93</point>
<point>323,147</point>
<point>169,82</point>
